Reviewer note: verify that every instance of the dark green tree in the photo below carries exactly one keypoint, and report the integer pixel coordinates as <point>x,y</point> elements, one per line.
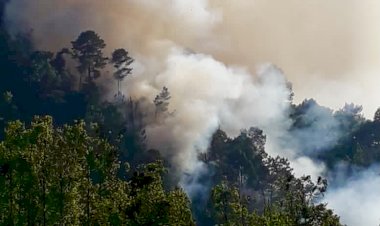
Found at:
<point>43,73</point>
<point>162,102</point>
<point>88,50</point>
<point>121,61</point>
<point>376,117</point>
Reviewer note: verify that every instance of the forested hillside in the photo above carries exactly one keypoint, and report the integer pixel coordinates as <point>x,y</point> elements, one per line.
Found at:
<point>70,156</point>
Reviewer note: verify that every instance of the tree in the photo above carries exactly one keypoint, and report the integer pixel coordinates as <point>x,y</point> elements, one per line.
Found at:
<point>64,176</point>
<point>42,72</point>
<point>162,101</point>
<point>179,208</point>
<point>295,207</point>
<point>241,157</point>
<point>87,49</point>
<point>59,61</point>
<point>121,62</point>
<point>228,205</point>
<point>49,75</point>
<point>376,117</point>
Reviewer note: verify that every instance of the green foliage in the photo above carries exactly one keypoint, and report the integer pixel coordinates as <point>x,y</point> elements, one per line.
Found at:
<point>231,207</point>
<point>253,188</point>
<point>51,82</point>
<point>72,175</point>
<point>64,176</point>
<point>238,158</point>
<point>228,205</point>
<point>179,213</point>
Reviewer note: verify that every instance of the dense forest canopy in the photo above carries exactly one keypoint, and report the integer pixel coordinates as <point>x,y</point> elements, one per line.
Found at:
<point>72,154</point>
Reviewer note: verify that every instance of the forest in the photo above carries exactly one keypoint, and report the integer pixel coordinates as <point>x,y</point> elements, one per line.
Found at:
<point>68,156</point>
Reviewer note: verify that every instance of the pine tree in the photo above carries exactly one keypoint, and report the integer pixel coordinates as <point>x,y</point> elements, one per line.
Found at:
<point>87,49</point>
<point>121,61</point>
<point>162,102</point>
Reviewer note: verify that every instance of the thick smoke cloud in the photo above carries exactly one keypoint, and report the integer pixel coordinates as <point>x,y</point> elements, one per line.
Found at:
<point>150,30</point>
<point>323,130</point>
<point>206,94</point>
<point>208,53</point>
<point>321,45</point>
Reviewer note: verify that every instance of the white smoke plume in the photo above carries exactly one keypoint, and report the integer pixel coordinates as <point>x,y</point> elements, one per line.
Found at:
<point>207,53</point>
<point>207,90</point>
<point>205,95</point>
<point>357,201</point>
<point>319,50</point>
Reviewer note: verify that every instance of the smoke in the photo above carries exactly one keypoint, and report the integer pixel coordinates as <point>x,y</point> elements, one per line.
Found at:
<point>208,53</point>
<point>207,94</point>
<point>208,89</point>
<point>321,45</point>
<point>317,130</point>
<point>318,50</point>
<point>357,201</point>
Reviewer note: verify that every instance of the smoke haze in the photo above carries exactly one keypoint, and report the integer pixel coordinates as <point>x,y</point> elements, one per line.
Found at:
<point>359,191</point>
<point>210,54</point>
<point>319,44</point>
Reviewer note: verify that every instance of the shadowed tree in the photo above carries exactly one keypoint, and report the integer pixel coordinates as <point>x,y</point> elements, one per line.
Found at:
<point>87,49</point>
<point>42,71</point>
<point>162,101</point>
<point>59,62</point>
<point>376,117</point>
<point>121,61</point>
